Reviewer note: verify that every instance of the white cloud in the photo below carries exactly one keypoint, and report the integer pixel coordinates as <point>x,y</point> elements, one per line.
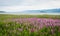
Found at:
<point>33,5</point>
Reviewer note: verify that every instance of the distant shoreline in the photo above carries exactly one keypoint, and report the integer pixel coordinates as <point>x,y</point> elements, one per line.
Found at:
<point>32,13</point>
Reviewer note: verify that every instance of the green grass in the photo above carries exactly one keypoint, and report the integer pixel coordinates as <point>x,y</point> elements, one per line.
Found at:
<point>12,28</point>
<point>6,16</point>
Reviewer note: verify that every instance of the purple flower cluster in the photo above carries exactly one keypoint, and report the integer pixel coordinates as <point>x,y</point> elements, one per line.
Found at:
<point>38,23</point>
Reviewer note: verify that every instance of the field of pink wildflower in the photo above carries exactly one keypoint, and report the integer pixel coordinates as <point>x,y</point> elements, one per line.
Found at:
<point>29,26</point>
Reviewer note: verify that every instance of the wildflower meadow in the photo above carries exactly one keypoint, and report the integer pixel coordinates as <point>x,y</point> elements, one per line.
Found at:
<point>29,25</point>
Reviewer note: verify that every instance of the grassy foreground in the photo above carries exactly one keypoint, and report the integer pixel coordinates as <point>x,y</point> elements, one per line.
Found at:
<point>29,25</point>
<point>8,16</point>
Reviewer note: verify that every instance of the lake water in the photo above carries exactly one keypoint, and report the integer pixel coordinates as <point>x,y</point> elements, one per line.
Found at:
<point>32,13</point>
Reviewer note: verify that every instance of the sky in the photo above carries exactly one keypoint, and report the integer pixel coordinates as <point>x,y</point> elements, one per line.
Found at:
<point>20,5</point>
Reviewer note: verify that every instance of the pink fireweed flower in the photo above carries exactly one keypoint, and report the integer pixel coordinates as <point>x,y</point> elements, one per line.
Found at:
<point>38,22</point>
<point>32,30</point>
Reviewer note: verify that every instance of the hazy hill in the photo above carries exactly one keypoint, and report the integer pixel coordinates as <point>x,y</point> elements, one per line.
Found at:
<point>36,11</point>
<point>2,11</point>
<point>42,11</point>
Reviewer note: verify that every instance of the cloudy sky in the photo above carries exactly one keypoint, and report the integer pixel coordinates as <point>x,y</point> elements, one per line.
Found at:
<point>19,5</point>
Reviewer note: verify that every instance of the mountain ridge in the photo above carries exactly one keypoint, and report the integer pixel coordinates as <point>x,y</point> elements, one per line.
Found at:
<point>36,11</point>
